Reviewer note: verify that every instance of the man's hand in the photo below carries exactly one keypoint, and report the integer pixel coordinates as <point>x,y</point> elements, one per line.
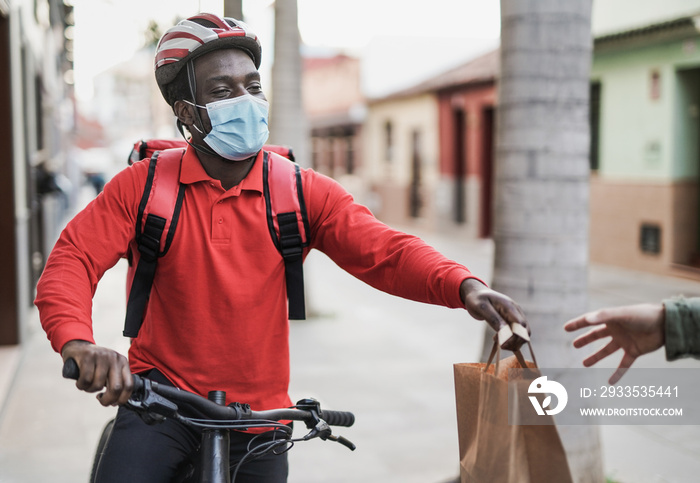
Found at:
<point>636,329</point>
<point>100,368</point>
<point>496,309</point>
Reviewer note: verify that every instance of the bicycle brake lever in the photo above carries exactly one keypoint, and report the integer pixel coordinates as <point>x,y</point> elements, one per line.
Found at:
<point>345,442</point>
<point>151,407</point>
<point>323,431</point>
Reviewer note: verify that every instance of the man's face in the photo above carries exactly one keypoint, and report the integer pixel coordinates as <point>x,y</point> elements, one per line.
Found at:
<point>224,74</point>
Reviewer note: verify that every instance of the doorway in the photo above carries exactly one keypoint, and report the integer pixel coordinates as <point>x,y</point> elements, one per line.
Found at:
<point>686,226</point>
<point>486,201</point>
<point>415,199</point>
<point>459,164</point>
<point>9,311</point>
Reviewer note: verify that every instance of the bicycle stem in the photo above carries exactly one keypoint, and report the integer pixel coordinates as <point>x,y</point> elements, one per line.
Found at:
<point>216,444</point>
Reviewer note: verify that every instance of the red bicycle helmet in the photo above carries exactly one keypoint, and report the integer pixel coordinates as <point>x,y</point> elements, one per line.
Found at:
<point>198,35</point>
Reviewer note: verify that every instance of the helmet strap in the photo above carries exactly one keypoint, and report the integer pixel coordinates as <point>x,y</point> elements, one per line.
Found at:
<point>201,147</point>
<point>192,83</point>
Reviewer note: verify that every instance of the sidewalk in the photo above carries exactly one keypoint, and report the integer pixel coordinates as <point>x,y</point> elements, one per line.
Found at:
<point>386,359</point>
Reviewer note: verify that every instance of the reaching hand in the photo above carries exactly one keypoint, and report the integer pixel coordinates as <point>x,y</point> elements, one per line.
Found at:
<point>496,309</point>
<point>636,329</point>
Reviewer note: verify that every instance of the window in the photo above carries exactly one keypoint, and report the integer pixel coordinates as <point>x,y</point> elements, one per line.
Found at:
<point>655,85</point>
<point>650,238</point>
<point>415,202</point>
<point>388,141</point>
<point>349,155</point>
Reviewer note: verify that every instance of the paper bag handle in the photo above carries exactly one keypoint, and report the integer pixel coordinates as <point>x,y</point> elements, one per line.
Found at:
<point>496,352</point>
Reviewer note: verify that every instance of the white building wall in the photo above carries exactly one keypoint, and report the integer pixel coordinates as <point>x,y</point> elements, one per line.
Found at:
<point>392,177</point>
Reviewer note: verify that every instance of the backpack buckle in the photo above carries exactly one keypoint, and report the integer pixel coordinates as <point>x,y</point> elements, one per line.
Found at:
<point>291,247</point>
<point>149,241</point>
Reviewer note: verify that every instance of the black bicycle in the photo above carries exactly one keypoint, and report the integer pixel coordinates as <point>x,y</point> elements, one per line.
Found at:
<point>155,402</point>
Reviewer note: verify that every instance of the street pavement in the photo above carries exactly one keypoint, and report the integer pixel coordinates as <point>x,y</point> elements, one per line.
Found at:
<point>386,359</point>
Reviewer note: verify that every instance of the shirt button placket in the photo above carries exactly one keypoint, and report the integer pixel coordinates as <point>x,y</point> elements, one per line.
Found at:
<point>219,225</point>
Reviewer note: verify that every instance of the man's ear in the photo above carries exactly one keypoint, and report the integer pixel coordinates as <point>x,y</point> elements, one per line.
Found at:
<point>184,112</point>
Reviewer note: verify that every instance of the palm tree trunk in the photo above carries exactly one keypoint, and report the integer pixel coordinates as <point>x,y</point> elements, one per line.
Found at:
<point>541,191</point>
<point>287,120</point>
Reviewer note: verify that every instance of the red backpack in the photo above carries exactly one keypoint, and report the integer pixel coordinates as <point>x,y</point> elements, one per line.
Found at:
<point>159,211</point>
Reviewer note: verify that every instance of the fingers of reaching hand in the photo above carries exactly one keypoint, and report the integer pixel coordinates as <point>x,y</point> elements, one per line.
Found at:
<point>585,320</point>
<point>591,336</point>
<point>608,349</point>
<point>625,364</point>
<point>576,324</point>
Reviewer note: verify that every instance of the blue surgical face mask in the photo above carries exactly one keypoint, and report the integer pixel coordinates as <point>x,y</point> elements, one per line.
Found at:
<point>238,126</point>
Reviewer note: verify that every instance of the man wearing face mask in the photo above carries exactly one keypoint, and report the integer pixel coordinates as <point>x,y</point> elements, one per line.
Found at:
<point>217,314</point>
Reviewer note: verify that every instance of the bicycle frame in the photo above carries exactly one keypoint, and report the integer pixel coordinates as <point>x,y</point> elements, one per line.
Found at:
<point>215,448</point>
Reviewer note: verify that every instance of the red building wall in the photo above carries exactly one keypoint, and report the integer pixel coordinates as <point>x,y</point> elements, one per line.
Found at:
<point>466,116</point>
<point>472,100</point>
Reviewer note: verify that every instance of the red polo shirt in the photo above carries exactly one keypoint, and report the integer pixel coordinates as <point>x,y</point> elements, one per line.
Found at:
<point>217,315</point>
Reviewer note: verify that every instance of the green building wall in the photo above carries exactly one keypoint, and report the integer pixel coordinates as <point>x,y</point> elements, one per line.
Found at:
<point>648,153</point>
<point>643,137</point>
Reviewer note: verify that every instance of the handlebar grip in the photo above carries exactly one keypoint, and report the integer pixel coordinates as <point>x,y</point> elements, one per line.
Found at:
<point>338,418</point>
<point>71,369</point>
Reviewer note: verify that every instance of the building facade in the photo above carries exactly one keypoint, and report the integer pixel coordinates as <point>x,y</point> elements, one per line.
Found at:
<point>645,150</point>
<point>335,109</point>
<point>430,150</point>
<point>402,149</point>
<point>36,115</point>
<point>467,101</point>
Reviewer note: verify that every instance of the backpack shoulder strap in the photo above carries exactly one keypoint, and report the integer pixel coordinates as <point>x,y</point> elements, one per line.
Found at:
<point>288,223</point>
<point>158,214</point>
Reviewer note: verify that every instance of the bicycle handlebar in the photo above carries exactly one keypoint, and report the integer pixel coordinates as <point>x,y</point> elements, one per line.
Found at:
<point>216,412</point>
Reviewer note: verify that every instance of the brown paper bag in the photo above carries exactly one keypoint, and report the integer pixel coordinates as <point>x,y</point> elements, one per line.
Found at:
<point>491,450</point>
